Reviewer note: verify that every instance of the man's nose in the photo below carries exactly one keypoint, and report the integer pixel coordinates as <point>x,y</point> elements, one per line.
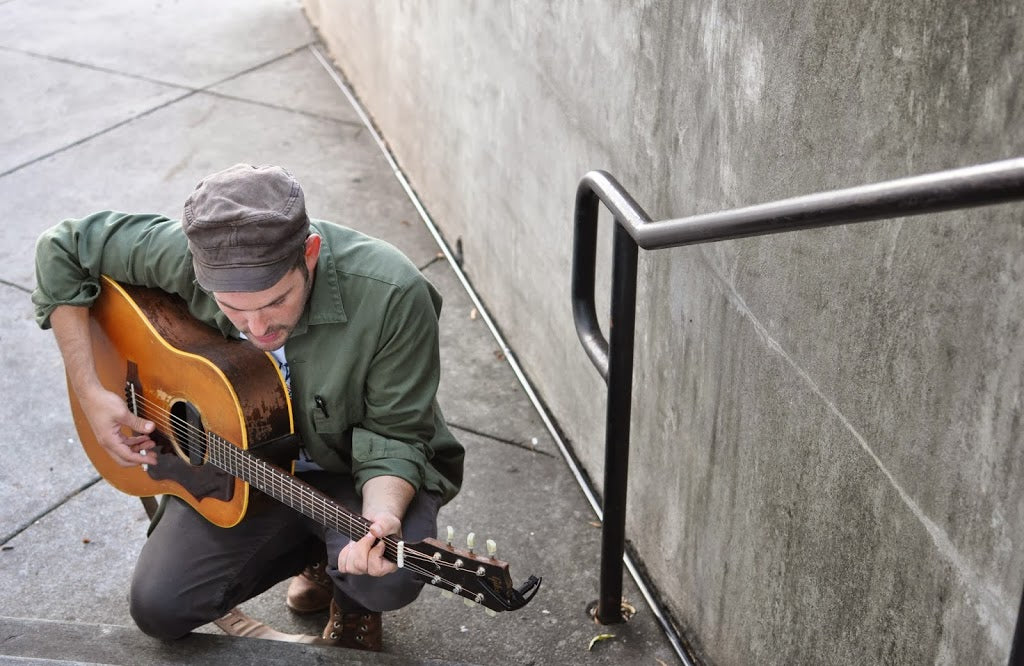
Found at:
<point>257,325</point>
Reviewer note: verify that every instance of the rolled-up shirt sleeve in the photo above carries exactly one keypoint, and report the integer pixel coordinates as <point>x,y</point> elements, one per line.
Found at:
<point>147,250</point>
<point>399,422</point>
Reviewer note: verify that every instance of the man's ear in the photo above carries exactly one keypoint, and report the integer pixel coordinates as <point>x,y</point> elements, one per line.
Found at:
<point>312,251</point>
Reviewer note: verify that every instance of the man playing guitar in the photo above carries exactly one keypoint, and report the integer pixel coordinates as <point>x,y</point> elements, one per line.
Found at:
<point>354,326</point>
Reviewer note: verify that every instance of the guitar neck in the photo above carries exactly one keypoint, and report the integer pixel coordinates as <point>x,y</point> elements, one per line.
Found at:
<point>285,488</point>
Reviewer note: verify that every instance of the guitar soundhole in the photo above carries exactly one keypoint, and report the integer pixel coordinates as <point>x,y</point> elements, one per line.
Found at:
<point>189,436</point>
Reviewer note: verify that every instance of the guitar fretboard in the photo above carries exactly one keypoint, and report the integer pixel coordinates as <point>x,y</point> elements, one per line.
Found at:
<point>284,487</point>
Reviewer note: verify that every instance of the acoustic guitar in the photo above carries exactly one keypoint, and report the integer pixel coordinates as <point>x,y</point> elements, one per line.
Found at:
<point>224,427</point>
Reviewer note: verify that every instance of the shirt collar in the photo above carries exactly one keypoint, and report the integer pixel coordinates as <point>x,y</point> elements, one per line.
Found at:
<point>325,305</point>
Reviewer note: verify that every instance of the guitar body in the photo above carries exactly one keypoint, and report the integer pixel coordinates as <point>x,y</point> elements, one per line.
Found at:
<point>190,374</point>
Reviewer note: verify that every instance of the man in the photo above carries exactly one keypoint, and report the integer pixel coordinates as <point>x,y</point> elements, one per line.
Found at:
<point>353,325</point>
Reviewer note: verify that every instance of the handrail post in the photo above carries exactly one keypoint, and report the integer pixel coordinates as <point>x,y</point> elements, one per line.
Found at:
<point>613,360</point>
<point>617,423</point>
<point>584,262</point>
<point>979,185</point>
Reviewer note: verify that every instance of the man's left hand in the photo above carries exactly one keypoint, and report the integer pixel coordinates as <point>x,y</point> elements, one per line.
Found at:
<point>366,556</point>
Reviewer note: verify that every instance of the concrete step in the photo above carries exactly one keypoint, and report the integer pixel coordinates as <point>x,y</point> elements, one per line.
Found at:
<point>33,641</point>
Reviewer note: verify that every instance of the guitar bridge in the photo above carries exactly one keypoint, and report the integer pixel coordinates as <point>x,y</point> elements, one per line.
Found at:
<point>130,382</point>
<point>130,399</point>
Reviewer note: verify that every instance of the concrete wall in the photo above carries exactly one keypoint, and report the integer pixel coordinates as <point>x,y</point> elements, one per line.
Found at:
<point>826,458</point>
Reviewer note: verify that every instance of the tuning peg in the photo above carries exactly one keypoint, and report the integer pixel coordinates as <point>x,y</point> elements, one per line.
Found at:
<point>469,602</point>
<point>491,612</point>
<point>471,542</point>
<point>492,548</point>
<point>451,534</point>
<point>446,594</point>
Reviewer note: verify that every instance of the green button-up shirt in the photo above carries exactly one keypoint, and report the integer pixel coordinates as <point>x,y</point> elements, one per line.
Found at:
<point>366,343</point>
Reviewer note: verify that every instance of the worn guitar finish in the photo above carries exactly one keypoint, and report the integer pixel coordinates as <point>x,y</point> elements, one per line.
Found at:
<point>224,425</point>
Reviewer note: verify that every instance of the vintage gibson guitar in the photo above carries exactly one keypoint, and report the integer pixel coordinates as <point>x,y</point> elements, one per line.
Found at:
<point>224,425</point>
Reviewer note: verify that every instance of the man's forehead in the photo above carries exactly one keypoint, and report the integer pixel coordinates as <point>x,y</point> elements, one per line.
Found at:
<point>256,300</point>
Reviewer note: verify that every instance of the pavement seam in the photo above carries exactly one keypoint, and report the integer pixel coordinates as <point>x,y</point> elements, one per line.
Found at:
<point>189,92</point>
<point>527,446</point>
<point>261,65</point>
<point>39,516</point>
<point>108,70</point>
<point>438,257</point>
<point>95,68</point>
<point>101,132</point>
<point>27,290</point>
<point>278,107</point>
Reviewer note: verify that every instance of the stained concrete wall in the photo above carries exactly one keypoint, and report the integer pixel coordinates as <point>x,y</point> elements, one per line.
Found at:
<point>826,458</point>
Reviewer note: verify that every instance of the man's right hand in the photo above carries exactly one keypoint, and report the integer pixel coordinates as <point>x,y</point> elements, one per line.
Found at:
<point>124,436</point>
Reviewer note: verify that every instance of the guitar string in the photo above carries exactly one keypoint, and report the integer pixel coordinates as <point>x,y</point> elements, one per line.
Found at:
<point>391,547</point>
<point>329,509</point>
<point>283,482</point>
<point>182,430</point>
<point>432,575</point>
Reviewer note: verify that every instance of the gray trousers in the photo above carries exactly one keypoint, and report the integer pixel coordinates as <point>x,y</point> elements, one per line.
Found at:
<point>191,572</point>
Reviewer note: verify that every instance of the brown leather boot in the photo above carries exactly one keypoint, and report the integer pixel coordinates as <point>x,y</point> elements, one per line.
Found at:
<point>311,591</point>
<point>359,630</point>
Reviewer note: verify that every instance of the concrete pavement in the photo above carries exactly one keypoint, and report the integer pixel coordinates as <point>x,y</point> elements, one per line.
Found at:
<point>126,106</point>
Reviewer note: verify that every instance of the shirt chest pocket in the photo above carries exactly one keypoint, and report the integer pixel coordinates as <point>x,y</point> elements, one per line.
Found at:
<point>330,417</point>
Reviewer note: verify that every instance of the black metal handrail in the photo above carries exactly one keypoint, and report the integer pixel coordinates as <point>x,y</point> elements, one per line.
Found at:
<point>981,185</point>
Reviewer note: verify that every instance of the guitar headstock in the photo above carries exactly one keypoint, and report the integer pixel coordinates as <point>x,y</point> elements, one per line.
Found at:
<point>478,578</point>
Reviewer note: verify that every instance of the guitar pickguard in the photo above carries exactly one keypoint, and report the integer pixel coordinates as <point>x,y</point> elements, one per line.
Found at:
<point>203,481</point>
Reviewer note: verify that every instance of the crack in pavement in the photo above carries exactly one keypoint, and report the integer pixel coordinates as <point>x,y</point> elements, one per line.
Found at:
<point>35,519</point>
<point>527,446</point>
